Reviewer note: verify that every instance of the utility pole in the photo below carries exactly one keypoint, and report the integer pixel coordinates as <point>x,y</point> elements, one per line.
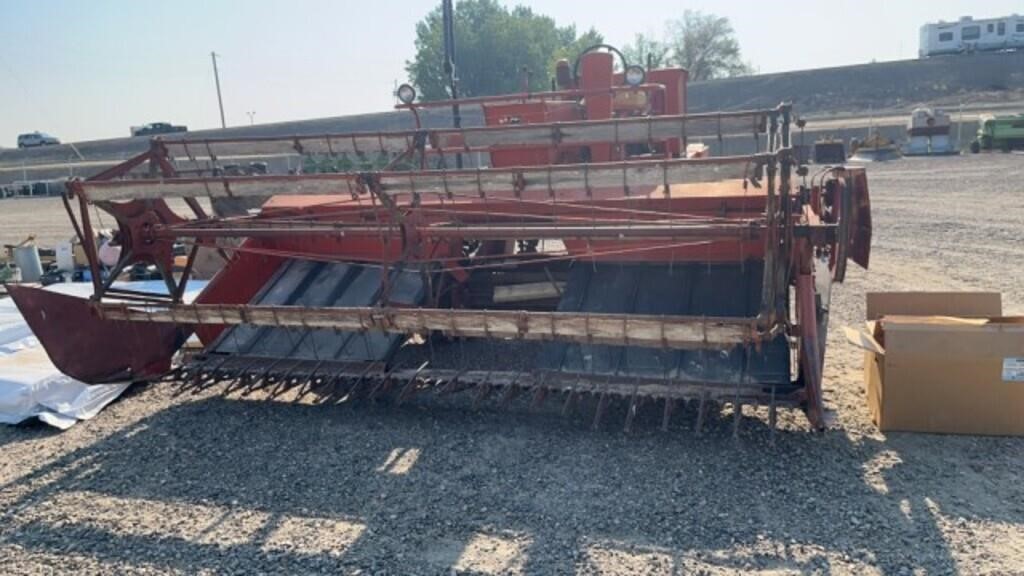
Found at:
<point>216,78</point>
<point>252,114</point>
<point>448,23</point>
<point>960,127</point>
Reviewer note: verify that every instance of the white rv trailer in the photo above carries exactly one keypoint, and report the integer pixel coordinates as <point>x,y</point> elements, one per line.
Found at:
<point>969,35</point>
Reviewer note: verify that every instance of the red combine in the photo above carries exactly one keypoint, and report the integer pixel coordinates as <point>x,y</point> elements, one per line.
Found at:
<point>567,247</point>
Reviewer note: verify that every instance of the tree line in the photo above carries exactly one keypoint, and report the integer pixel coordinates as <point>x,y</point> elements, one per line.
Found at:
<point>499,49</point>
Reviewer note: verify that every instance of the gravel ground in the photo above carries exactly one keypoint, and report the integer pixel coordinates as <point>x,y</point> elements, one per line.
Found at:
<point>204,483</point>
<point>45,219</point>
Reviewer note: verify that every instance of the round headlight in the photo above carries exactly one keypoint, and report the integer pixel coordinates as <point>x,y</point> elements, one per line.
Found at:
<point>635,75</point>
<point>406,94</point>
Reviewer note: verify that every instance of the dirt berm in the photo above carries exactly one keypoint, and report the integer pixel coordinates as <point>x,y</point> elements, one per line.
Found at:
<point>856,90</point>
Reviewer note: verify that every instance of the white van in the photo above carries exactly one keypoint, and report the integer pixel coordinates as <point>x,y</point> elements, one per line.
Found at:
<point>33,139</point>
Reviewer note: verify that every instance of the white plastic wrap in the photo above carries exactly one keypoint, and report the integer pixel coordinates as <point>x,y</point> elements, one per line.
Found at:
<point>30,385</point>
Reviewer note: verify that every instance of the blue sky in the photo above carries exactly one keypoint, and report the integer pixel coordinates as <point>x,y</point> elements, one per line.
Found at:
<point>90,69</point>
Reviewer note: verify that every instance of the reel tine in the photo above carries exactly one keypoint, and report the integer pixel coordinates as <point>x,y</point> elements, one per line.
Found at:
<point>315,383</point>
<point>483,390</point>
<point>286,381</point>
<point>244,373</point>
<point>539,395</point>
<point>264,379</point>
<point>185,381</point>
<point>306,383</point>
<point>570,400</point>
<point>172,375</point>
<point>204,374</point>
<point>330,387</point>
<point>383,385</point>
<point>701,413</point>
<point>212,372</point>
<point>410,387</point>
<point>354,389</point>
<point>666,416</point>
<point>450,386</point>
<point>737,416</point>
<point>511,391</point>
<point>631,413</point>
<point>602,404</point>
<point>324,379</point>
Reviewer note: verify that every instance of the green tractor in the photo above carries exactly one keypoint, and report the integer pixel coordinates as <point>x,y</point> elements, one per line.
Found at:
<point>999,133</point>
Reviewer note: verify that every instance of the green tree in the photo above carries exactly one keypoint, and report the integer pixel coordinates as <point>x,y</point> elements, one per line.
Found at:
<point>705,45</point>
<point>493,45</point>
<point>647,51</point>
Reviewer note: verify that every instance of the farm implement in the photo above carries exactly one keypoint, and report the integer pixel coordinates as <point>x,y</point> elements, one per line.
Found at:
<point>564,249</point>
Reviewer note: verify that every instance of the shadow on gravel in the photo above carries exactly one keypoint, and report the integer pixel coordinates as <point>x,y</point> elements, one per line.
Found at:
<point>25,431</point>
<point>231,485</point>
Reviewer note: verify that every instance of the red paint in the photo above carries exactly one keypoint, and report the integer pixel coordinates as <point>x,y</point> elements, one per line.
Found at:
<point>88,348</point>
<point>596,78</point>
<point>237,283</point>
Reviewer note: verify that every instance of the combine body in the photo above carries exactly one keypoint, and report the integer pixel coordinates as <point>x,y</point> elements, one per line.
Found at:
<point>1003,133</point>
<point>580,239</point>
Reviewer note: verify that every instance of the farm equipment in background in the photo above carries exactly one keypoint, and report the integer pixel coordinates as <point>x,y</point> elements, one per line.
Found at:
<point>928,134</point>
<point>577,236</point>
<point>874,148</point>
<point>829,151</point>
<point>1003,133</point>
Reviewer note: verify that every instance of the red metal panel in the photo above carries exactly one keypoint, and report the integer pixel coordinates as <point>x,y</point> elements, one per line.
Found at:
<point>93,350</point>
<point>237,283</point>
<point>596,75</point>
<point>674,80</point>
<point>810,354</point>
<point>528,113</point>
<point>860,242</point>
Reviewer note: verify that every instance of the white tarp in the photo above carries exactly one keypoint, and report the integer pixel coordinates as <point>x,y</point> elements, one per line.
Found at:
<point>30,385</point>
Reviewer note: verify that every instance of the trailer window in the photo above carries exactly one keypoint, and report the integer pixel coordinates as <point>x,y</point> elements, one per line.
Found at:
<point>1001,29</point>
<point>945,36</point>
<point>970,33</point>
<point>1020,26</point>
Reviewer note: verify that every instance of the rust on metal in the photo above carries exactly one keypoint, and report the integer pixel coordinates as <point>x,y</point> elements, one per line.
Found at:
<point>570,229</point>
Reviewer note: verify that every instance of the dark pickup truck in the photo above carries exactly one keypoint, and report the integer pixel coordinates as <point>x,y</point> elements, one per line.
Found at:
<point>157,128</point>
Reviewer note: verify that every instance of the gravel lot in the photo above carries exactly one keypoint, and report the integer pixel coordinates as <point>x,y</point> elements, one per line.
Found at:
<point>203,483</point>
<point>45,219</point>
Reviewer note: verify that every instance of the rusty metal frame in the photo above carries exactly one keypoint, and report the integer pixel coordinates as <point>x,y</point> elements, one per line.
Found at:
<point>500,182</point>
<point>614,131</point>
<point>775,270</point>
<point>558,95</point>
<point>675,332</point>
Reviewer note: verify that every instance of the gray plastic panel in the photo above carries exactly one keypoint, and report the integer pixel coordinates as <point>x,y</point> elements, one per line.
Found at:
<point>699,289</point>
<point>316,284</point>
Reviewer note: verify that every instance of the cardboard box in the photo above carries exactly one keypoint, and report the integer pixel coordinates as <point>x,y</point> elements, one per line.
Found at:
<point>943,362</point>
